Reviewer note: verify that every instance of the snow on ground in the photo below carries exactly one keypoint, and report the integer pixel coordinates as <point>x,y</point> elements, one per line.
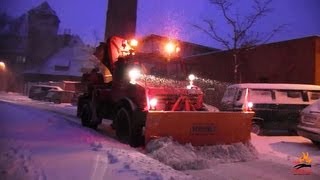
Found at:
<point>286,149</point>
<point>186,157</point>
<point>41,145</point>
<point>180,157</point>
<point>64,108</point>
<point>37,144</point>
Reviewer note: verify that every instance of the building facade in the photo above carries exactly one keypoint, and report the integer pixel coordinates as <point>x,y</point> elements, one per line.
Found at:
<point>291,61</point>
<point>153,54</point>
<point>31,42</point>
<point>27,40</point>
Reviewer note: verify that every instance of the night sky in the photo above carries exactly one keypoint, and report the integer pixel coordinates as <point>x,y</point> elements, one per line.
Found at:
<point>174,17</point>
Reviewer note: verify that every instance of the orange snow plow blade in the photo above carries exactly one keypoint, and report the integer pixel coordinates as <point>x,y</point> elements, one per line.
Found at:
<point>199,128</point>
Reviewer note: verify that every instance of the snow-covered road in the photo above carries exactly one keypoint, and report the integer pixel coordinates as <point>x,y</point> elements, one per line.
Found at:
<point>39,145</point>
<point>40,140</point>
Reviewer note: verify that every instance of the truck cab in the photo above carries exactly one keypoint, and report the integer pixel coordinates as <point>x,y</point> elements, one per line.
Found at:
<point>131,94</point>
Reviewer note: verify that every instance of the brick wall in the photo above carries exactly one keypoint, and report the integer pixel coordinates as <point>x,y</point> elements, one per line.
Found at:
<point>293,61</point>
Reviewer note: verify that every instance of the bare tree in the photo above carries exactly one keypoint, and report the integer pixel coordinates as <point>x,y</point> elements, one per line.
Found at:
<point>241,36</point>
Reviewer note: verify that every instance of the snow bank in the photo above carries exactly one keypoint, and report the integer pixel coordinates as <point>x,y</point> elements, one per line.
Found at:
<point>186,157</point>
<point>63,108</point>
<point>137,165</point>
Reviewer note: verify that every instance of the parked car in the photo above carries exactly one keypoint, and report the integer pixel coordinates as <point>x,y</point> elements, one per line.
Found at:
<point>309,124</point>
<point>39,92</point>
<point>59,96</point>
<point>276,106</point>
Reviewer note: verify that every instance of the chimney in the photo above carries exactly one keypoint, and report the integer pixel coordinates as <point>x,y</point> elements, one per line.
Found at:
<point>66,37</point>
<point>121,18</point>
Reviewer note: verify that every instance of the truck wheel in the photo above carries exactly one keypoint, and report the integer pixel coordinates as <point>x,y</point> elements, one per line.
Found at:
<point>80,103</point>
<point>86,117</point>
<point>122,123</point>
<point>256,128</point>
<point>126,129</point>
<point>135,135</point>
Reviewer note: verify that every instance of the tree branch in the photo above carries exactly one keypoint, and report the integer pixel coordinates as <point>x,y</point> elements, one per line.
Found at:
<point>213,34</point>
<point>261,9</point>
<point>273,32</point>
<point>241,35</point>
<point>224,6</point>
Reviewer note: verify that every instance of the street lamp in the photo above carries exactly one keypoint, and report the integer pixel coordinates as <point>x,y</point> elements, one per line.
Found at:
<point>169,47</point>
<point>2,66</point>
<point>172,49</point>
<point>133,43</point>
<point>3,81</point>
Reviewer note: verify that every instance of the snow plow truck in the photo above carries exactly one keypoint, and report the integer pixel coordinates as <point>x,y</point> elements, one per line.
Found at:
<point>141,108</point>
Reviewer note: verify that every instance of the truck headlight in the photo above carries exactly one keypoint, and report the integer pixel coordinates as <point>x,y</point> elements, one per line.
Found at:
<point>250,105</point>
<point>153,103</point>
<point>192,77</point>
<point>133,43</point>
<point>134,74</point>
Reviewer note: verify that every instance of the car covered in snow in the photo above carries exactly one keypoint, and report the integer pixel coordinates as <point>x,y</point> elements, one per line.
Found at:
<point>58,96</point>
<point>309,124</point>
<point>276,106</point>
<point>39,92</point>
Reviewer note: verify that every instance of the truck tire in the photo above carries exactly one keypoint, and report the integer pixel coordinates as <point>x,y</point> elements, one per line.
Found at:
<point>86,117</point>
<point>256,128</point>
<point>127,130</point>
<point>122,119</point>
<point>135,137</point>
<point>82,100</point>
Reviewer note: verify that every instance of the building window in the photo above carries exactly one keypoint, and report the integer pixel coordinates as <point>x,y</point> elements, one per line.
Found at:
<point>61,68</point>
<point>20,59</point>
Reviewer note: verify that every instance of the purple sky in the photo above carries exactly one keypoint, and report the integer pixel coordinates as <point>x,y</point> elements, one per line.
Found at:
<point>174,17</point>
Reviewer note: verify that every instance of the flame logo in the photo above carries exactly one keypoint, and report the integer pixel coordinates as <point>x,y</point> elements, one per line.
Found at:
<point>303,165</point>
<point>304,158</point>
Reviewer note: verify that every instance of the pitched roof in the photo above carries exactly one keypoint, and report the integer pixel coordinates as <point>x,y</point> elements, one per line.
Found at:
<point>72,59</point>
<point>18,25</point>
<point>44,8</point>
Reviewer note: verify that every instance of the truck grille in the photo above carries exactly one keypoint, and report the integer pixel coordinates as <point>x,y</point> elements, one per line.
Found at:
<point>166,101</point>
